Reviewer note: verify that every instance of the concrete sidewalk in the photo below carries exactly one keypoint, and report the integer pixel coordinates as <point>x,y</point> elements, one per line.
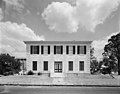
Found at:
<point>82,80</point>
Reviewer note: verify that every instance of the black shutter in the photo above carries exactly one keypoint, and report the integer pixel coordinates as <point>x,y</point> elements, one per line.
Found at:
<point>84,49</point>
<point>61,49</point>
<point>73,49</point>
<point>67,49</point>
<point>54,49</point>
<point>31,49</point>
<point>42,49</point>
<point>37,49</point>
<point>48,49</point>
<point>78,49</point>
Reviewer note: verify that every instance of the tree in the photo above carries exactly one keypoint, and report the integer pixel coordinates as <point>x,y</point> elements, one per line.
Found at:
<point>93,62</point>
<point>8,64</point>
<point>113,49</point>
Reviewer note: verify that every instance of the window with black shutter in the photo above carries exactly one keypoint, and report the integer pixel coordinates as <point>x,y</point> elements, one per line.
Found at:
<point>45,65</point>
<point>34,65</point>
<point>58,49</point>
<point>34,49</point>
<point>70,65</point>
<point>81,65</point>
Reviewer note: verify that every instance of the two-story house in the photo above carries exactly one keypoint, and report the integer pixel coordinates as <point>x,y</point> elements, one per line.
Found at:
<point>58,58</point>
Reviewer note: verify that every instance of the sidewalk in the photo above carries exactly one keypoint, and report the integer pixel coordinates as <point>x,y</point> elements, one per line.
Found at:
<point>82,80</point>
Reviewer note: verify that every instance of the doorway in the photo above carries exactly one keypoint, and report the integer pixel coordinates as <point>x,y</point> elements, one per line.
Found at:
<point>58,67</point>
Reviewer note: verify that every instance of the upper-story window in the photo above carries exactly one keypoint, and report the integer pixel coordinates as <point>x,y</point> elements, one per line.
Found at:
<point>34,49</point>
<point>45,49</point>
<point>58,49</point>
<point>70,49</point>
<point>81,49</point>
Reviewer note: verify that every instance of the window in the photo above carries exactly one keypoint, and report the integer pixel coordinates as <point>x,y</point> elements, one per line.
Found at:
<point>34,49</point>
<point>45,65</point>
<point>58,66</point>
<point>45,49</point>
<point>70,65</point>
<point>58,49</point>
<point>81,49</point>
<point>34,65</point>
<point>70,49</point>
<point>81,65</point>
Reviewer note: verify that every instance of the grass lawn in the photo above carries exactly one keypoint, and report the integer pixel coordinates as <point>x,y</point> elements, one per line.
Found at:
<point>72,80</point>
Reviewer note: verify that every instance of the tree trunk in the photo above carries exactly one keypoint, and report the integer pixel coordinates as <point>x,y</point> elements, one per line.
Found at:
<point>118,65</point>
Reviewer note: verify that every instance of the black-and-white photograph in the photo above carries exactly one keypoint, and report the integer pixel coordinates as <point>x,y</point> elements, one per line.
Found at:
<point>59,46</point>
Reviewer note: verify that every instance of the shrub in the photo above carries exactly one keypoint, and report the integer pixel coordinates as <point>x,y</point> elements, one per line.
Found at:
<point>39,73</point>
<point>30,72</point>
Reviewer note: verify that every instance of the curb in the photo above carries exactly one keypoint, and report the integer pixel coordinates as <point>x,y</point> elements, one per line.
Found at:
<point>53,85</point>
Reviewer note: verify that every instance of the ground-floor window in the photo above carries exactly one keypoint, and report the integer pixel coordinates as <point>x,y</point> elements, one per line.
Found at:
<point>70,65</point>
<point>45,65</point>
<point>34,65</point>
<point>81,65</point>
<point>58,66</point>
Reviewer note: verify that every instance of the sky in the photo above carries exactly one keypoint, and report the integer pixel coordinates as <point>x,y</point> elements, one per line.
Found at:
<point>58,20</point>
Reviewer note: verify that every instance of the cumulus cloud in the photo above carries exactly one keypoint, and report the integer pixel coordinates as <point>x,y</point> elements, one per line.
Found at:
<point>63,17</point>
<point>16,4</point>
<point>13,35</point>
<point>100,44</point>
<point>1,14</point>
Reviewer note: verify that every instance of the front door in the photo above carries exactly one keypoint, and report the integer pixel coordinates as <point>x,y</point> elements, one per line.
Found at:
<point>58,67</point>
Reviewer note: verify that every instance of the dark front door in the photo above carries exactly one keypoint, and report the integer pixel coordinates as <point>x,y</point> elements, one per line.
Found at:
<point>58,67</point>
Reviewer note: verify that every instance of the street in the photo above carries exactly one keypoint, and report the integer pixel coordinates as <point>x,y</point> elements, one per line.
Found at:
<point>58,90</point>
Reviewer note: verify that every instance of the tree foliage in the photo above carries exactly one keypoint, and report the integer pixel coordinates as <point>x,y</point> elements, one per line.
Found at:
<point>93,62</point>
<point>113,50</point>
<point>8,64</point>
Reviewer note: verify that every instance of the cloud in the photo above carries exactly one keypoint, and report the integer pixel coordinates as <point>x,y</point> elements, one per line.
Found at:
<point>64,17</point>
<point>1,14</point>
<point>100,44</point>
<point>13,35</point>
<point>16,4</point>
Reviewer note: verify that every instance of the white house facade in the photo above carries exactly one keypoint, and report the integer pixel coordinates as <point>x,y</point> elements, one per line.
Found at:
<point>58,58</point>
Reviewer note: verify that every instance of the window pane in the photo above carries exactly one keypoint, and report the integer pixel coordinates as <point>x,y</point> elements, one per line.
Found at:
<point>58,49</point>
<point>45,65</point>
<point>70,65</point>
<point>81,65</point>
<point>34,65</point>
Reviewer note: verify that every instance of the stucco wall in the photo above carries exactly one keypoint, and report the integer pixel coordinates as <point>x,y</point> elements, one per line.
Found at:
<point>58,57</point>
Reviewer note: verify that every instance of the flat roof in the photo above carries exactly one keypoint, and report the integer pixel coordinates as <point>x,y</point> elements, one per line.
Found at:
<point>57,42</point>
